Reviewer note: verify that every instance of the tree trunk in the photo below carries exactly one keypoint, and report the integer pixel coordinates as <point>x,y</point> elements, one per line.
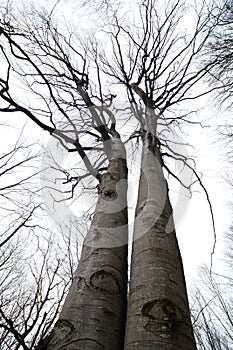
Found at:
<point>93,315</point>
<point>158,313</point>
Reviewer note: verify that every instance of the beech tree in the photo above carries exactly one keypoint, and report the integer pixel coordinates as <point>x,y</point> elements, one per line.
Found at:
<point>87,93</point>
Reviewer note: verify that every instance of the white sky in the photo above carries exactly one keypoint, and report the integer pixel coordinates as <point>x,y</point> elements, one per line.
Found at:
<point>195,233</point>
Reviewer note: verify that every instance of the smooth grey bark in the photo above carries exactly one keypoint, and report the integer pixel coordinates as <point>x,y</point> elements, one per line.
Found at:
<point>158,312</point>
<point>93,315</point>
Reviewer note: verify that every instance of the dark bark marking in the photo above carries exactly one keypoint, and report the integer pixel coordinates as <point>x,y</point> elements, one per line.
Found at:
<point>61,324</point>
<point>63,327</point>
<point>43,343</point>
<point>109,312</point>
<point>81,283</point>
<point>110,195</point>
<point>84,343</point>
<point>164,316</point>
<point>96,233</point>
<point>105,282</point>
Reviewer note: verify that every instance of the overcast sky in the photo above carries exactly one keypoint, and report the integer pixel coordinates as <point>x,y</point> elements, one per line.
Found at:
<point>194,228</point>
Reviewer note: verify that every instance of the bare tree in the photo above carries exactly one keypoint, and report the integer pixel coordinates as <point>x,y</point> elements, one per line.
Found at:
<point>212,296</point>
<point>76,84</point>
<point>212,306</point>
<point>16,159</point>
<point>107,266</point>
<point>219,48</point>
<point>33,279</point>
<point>32,286</point>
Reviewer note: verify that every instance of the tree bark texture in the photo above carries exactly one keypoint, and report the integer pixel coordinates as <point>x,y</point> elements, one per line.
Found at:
<point>158,312</point>
<point>93,315</point>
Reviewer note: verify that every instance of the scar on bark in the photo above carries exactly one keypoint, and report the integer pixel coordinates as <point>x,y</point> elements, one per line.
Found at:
<point>61,324</point>
<point>111,194</point>
<point>105,281</point>
<point>162,316</point>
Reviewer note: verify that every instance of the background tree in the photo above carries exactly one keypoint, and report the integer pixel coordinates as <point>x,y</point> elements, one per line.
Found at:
<point>213,298</point>
<point>220,48</point>
<point>76,85</point>
<point>212,305</point>
<point>35,271</point>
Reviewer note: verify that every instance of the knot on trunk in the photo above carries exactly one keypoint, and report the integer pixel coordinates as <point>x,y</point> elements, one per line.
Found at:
<point>105,282</point>
<point>163,316</point>
<point>110,194</point>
